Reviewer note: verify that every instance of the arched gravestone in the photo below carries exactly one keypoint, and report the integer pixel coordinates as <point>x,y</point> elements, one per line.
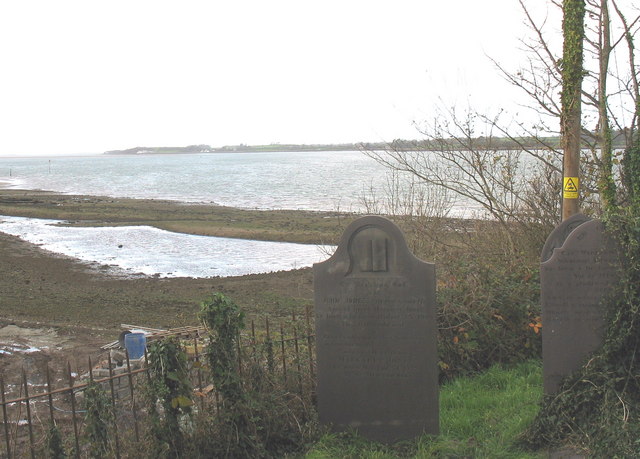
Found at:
<point>376,335</point>
<point>579,268</point>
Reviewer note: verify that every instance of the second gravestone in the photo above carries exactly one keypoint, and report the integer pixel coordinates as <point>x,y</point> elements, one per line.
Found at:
<point>376,335</point>
<point>579,269</point>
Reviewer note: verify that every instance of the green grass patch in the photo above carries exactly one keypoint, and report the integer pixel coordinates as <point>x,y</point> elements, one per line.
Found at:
<point>480,416</point>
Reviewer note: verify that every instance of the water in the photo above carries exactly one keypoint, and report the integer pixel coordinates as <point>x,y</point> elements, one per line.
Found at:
<point>323,181</point>
<point>151,251</point>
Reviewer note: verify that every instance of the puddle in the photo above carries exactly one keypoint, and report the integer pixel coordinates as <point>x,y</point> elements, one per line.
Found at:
<point>19,340</point>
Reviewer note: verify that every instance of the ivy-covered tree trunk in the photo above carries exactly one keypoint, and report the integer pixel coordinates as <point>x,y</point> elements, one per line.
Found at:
<point>606,184</point>
<point>570,118</point>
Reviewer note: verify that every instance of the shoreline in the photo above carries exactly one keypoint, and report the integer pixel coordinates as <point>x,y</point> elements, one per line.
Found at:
<point>300,226</point>
<point>39,286</point>
<point>84,306</point>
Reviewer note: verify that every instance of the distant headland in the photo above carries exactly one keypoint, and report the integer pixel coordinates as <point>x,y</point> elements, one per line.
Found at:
<point>239,149</point>
<point>491,143</point>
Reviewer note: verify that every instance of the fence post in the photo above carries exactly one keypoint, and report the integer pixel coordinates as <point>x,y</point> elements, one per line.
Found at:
<point>284,357</point>
<point>28,406</point>
<point>295,344</point>
<point>73,410</point>
<point>113,406</point>
<point>5,419</point>
<point>199,372</point>
<point>133,399</point>
<point>253,339</point>
<point>309,345</point>
<point>53,420</point>
<point>269,346</point>
<point>239,351</point>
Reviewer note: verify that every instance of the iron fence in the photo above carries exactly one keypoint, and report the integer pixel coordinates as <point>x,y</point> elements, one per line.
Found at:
<point>32,403</point>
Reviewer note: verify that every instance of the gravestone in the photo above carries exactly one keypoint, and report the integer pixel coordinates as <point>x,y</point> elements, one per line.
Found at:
<point>579,268</point>
<point>376,335</point>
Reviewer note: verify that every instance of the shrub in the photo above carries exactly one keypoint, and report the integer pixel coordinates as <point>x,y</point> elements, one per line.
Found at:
<point>169,397</point>
<point>98,417</point>
<point>259,414</point>
<point>488,313</point>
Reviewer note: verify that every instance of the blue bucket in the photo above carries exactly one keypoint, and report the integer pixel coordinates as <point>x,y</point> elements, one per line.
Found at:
<point>135,344</point>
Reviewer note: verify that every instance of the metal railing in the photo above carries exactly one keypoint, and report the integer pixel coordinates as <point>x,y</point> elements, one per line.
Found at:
<point>28,412</point>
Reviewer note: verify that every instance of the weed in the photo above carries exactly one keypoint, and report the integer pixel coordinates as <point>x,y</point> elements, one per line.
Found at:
<point>98,418</point>
<point>169,397</point>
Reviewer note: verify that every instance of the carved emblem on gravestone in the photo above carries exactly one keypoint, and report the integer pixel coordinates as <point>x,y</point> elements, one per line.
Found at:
<point>579,269</point>
<point>368,251</point>
<point>376,335</point>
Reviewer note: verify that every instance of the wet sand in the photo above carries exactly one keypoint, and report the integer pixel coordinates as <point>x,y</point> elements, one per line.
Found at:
<point>86,304</point>
<point>36,285</point>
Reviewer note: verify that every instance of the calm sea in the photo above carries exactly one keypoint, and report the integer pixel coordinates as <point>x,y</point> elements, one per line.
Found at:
<point>307,180</point>
<point>326,181</point>
<point>322,181</point>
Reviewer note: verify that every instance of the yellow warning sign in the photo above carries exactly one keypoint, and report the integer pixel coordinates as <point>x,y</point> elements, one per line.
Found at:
<point>570,188</point>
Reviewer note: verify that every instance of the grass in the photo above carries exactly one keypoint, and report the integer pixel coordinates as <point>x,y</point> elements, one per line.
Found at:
<point>480,416</point>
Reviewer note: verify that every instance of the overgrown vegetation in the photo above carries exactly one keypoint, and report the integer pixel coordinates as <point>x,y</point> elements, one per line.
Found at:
<point>488,313</point>
<point>260,412</point>
<point>598,407</point>
<point>99,419</point>
<point>169,401</point>
<point>54,448</point>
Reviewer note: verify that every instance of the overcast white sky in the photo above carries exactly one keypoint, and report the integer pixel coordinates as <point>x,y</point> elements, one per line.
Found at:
<point>87,76</point>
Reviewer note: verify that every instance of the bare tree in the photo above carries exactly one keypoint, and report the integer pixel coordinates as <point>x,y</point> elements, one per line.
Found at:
<point>609,91</point>
<point>491,181</point>
<point>513,171</point>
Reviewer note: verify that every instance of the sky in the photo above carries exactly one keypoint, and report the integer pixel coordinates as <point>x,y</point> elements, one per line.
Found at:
<point>86,77</point>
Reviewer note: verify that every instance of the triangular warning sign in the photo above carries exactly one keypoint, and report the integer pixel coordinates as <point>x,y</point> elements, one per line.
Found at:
<point>569,185</point>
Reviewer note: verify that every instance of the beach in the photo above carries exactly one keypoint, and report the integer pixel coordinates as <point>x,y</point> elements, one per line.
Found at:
<point>85,304</point>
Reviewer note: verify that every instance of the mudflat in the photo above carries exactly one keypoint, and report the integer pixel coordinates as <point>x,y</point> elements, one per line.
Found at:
<point>87,303</point>
<point>205,219</point>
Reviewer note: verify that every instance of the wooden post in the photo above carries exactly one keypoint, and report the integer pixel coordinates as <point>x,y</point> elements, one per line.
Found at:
<point>284,358</point>
<point>570,118</point>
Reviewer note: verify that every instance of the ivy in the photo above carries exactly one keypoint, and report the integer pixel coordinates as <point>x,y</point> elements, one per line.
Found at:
<point>598,406</point>
<point>54,444</point>
<point>98,417</point>
<point>224,320</point>
<point>170,387</point>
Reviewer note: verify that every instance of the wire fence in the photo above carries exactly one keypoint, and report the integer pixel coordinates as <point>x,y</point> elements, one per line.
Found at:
<point>31,404</point>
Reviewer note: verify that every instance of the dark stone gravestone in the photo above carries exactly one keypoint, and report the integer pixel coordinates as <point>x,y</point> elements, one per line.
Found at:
<point>376,335</point>
<point>579,268</point>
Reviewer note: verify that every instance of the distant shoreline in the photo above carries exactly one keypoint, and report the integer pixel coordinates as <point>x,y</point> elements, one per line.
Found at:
<point>273,148</point>
<point>490,143</point>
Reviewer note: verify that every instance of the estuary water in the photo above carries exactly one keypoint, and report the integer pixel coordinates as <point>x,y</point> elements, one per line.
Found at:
<point>134,250</point>
<point>319,181</point>
<point>322,181</point>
